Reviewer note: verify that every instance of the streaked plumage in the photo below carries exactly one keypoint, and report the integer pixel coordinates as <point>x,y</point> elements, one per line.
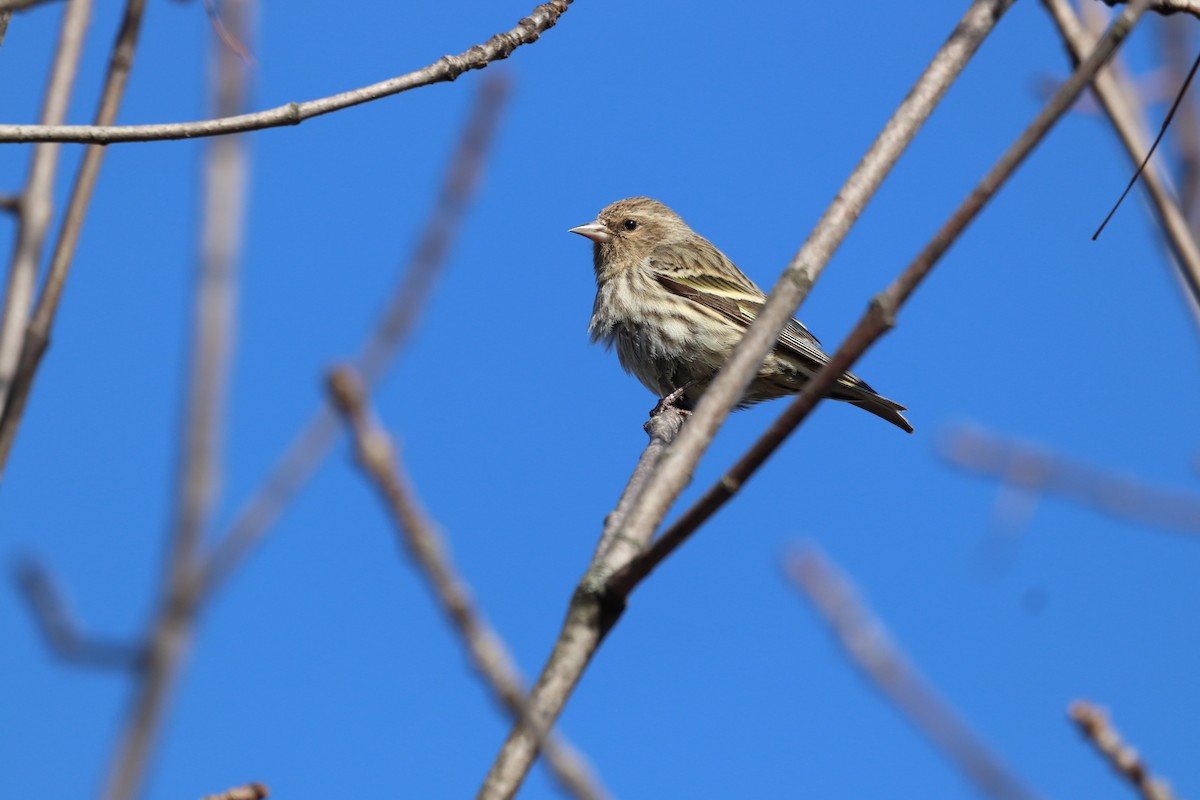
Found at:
<point>674,306</point>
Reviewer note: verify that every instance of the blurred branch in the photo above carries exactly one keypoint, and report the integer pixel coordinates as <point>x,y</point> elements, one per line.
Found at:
<point>37,335</point>
<point>5,16</point>
<point>881,313</point>
<point>203,421</point>
<point>60,630</point>
<point>419,536</point>
<point>866,642</point>
<point>1036,470</point>
<point>1094,724</point>
<point>1166,6</point>
<point>36,202</point>
<point>447,68</point>
<point>1119,102</point>
<point>314,441</point>
<point>249,791</point>
<point>10,204</point>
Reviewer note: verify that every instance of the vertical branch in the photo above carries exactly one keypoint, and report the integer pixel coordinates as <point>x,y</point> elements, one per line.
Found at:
<point>37,336</point>
<point>37,207</point>
<point>221,237</point>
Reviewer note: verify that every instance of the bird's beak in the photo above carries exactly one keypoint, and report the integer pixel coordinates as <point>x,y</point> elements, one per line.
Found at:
<point>596,231</point>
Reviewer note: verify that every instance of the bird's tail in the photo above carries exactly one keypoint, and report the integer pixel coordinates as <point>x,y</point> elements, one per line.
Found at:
<point>866,398</point>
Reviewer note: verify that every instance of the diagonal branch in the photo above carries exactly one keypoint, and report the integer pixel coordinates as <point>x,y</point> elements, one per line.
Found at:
<point>418,535</point>
<point>595,607</point>
<point>37,335</point>
<point>446,68</point>
<point>1094,724</point>
<point>314,441</point>
<point>1037,470</point>
<point>867,645</point>
<point>880,315</point>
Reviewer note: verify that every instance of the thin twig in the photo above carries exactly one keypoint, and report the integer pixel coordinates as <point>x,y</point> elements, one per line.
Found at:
<point>595,605</point>
<point>5,17</point>
<point>1118,101</point>
<point>10,204</point>
<point>867,645</point>
<point>1039,471</point>
<point>447,68</point>
<point>314,441</point>
<point>419,536</point>
<point>62,633</point>
<point>37,335</point>
<point>36,198</point>
<point>1177,43</point>
<point>1095,726</point>
<point>203,421</point>
<point>880,315</point>
<point>10,6</point>
<point>248,791</point>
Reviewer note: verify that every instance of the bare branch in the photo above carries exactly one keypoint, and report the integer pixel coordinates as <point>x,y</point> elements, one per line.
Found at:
<point>881,313</point>
<point>249,791</point>
<point>598,602</point>
<point>60,630</point>
<point>1095,726</point>
<point>203,422</point>
<point>447,68</point>
<point>9,6</point>
<point>37,336</point>
<point>314,441</point>
<point>1037,470</point>
<point>10,204</point>
<point>419,536</point>
<point>36,198</point>
<point>866,642</point>
<point>1176,44</point>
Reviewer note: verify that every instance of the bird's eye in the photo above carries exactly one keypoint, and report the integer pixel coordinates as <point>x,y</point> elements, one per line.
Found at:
<point>630,224</point>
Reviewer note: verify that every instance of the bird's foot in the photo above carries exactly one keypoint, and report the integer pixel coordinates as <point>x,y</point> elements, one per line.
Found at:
<point>669,401</point>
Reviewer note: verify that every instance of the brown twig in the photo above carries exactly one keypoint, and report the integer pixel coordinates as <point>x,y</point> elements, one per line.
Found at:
<point>866,643</point>
<point>62,633</point>
<point>1037,470</point>
<point>203,422</point>
<point>1095,726</point>
<point>9,6</point>
<point>37,335</point>
<point>249,791</point>
<point>1166,6</point>
<point>314,441</point>
<point>447,68</point>
<point>1176,43</point>
<point>596,603</point>
<point>881,313</point>
<point>419,536</point>
<point>37,197</point>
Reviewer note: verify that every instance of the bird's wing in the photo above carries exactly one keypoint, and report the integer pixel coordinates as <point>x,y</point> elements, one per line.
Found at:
<point>709,279</point>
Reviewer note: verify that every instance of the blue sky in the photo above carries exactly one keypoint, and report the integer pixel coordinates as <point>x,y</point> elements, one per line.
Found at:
<point>323,669</point>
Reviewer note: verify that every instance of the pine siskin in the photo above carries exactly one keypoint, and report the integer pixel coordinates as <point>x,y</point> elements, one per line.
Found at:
<point>675,307</point>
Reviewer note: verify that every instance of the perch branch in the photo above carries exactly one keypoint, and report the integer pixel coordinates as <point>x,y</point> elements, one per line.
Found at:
<point>1095,726</point>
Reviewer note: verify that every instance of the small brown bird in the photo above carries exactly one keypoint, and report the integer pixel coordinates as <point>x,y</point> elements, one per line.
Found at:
<point>675,307</point>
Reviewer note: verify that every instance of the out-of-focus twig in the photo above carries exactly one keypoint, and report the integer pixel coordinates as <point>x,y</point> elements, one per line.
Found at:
<point>5,17</point>
<point>9,6</point>
<point>420,537</point>
<point>220,244</point>
<point>1095,726</point>
<point>1177,44</point>
<point>37,335</point>
<point>60,630</point>
<point>248,791</point>
<point>867,644</point>
<point>37,206</point>
<point>314,441</point>
<point>447,68</point>
<point>1038,470</point>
